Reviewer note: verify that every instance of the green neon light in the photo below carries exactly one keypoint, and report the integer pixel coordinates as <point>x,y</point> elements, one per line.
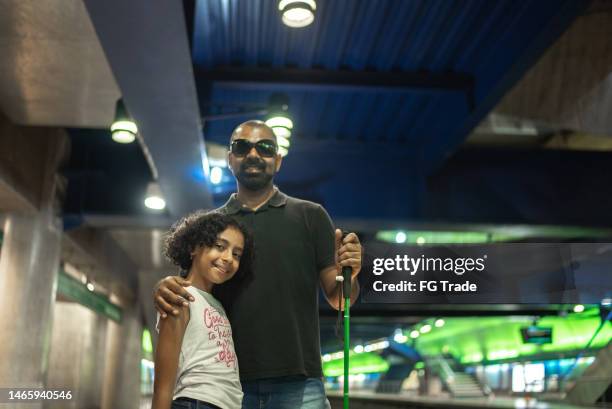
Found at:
<point>492,339</point>
<point>367,362</point>
<point>147,342</point>
<point>491,234</point>
<point>435,237</point>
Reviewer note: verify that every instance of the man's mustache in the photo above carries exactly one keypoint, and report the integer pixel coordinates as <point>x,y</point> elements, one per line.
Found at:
<point>253,163</point>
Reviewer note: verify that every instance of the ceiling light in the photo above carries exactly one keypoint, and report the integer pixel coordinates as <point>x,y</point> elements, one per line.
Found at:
<point>154,199</point>
<point>123,129</point>
<point>279,121</point>
<point>425,329</point>
<point>90,286</point>
<point>439,323</point>
<point>414,334</point>
<point>281,124</point>
<point>399,336</point>
<point>282,151</point>
<point>282,141</point>
<point>578,308</point>
<point>281,131</point>
<point>216,174</point>
<point>297,13</point>
<point>400,237</point>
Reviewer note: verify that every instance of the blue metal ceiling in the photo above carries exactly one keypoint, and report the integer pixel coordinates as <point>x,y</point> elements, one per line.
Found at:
<point>384,35</point>
<point>489,44</point>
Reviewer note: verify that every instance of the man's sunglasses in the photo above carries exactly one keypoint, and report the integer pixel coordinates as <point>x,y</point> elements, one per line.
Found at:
<point>266,148</point>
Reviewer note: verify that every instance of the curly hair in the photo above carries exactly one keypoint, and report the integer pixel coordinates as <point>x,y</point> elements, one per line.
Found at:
<point>202,229</point>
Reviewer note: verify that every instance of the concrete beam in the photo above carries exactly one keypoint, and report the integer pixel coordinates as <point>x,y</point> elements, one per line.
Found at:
<point>147,48</point>
<point>571,84</point>
<point>262,78</point>
<point>29,158</point>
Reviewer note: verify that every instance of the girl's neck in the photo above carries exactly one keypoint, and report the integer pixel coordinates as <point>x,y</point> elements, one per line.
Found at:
<point>198,282</point>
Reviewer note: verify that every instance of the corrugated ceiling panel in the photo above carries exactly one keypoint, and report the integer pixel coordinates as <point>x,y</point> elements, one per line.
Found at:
<point>478,37</point>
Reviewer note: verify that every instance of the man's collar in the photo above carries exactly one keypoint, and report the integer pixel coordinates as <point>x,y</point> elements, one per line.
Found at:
<point>278,199</point>
<point>232,206</point>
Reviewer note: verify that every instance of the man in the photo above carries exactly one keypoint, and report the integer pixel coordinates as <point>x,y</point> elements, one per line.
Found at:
<point>275,319</point>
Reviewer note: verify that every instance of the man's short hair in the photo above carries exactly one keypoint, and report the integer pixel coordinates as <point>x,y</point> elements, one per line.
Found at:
<point>253,123</point>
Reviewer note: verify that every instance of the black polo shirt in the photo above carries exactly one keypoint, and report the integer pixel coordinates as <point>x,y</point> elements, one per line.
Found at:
<point>275,319</point>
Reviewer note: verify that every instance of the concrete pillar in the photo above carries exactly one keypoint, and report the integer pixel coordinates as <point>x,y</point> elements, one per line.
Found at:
<point>29,263</point>
<point>29,258</point>
<point>79,368</point>
<point>123,354</point>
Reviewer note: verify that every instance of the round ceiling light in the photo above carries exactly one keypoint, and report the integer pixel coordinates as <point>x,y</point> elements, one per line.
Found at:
<point>155,203</point>
<point>154,199</point>
<point>282,151</point>
<point>297,13</point>
<point>123,129</point>
<point>281,126</point>
<point>280,121</point>
<point>282,141</point>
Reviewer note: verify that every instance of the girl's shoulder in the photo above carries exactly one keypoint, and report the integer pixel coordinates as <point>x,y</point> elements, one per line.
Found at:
<point>204,297</point>
<point>193,291</point>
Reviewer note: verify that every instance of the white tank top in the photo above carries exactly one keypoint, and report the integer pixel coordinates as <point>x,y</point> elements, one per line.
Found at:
<point>208,368</point>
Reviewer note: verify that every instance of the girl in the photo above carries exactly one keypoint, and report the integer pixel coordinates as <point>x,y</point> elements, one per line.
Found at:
<point>195,362</point>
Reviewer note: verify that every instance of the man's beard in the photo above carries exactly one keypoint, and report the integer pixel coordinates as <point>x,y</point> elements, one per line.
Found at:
<point>253,181</point>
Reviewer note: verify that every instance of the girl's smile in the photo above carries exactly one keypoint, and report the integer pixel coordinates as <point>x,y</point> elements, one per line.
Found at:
<point>218,263</point>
